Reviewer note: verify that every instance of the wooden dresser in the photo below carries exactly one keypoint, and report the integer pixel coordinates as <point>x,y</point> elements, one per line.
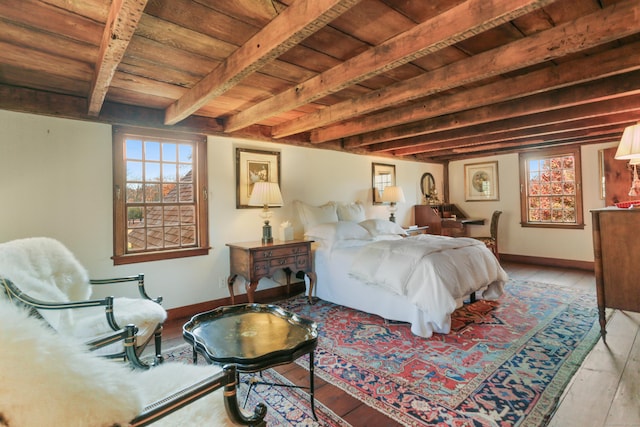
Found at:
<point>616,250</point>
<point>255,260</point>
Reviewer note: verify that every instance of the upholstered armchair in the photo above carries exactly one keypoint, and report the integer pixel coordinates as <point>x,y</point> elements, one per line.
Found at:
<point>48,379</point>
<point>44,275</point>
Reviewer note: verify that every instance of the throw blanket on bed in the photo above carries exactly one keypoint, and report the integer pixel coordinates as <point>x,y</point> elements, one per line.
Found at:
<point>432,271</point>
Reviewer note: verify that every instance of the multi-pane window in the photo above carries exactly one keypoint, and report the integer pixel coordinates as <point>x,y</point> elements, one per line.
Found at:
<point>160,206</point>
<point>550,184</point>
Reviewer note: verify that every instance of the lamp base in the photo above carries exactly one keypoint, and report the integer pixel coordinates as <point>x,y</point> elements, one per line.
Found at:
<point>267,237</point>
<point>392,218</point>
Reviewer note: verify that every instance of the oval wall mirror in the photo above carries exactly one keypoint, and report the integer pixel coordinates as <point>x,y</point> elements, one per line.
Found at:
<point>427,184</point>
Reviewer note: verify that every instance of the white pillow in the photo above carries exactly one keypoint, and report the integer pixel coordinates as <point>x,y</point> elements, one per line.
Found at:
<point>340,230</point>
<point>351,212</point>
<point>312,215</point>
<point>378,227</point>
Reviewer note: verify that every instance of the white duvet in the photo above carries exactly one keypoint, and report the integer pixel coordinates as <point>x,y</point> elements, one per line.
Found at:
<point>430,271</point>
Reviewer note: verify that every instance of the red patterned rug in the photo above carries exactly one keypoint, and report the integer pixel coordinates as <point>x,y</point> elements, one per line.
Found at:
<point>505,363</point>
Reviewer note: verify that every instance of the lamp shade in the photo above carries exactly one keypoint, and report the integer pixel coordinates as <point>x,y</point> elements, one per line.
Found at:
<point>393,194</point>
<point>629,147</point>
<point>265,193</point>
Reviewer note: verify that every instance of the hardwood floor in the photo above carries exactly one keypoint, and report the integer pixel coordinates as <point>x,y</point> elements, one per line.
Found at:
<point>605,392</point>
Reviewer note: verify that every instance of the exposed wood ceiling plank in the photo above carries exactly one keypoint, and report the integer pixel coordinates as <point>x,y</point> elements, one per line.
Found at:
<point>607,63</point>
<point>452,26</point>
<point>515,127</point>
<point>122,21</point>
<point>511,131</point>
<point>295,23</point>
<point>608,133</point>
<point>624,89</point>
<point>622,19</point>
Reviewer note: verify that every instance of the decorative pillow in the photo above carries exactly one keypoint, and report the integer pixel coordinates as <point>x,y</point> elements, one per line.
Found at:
<point>312,215</point>
<point>351,212</point>
<point>378,227</point>
<point>340,230</point>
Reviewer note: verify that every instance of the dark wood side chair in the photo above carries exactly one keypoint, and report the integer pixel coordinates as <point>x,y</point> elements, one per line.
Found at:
<point>492,240</point>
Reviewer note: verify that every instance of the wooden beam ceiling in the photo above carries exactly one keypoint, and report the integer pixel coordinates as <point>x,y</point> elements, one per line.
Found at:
<point>429,81</point>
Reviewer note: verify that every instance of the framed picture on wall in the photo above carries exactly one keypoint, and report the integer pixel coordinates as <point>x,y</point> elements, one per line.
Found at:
<point>381,176</point>
<point>481,181</point>
<point>253,166</point>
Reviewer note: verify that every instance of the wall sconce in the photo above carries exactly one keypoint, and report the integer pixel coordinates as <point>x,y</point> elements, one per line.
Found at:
<point>266,194</point>
<point>393,195</point>
<point>629,149</point>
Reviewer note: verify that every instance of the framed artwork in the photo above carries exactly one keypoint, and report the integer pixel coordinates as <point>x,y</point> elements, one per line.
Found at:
<point>381,176</point>
<point>481,181</point>
<point>253,166</point>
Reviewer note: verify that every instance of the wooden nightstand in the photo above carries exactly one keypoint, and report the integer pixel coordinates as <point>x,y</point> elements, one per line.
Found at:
<point>255,260</point>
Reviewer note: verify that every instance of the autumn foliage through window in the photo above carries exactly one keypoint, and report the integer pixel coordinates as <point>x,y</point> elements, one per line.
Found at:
<point>551,188</point>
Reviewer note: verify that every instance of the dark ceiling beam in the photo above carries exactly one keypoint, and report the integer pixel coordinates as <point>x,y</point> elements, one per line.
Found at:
<point>584,69</point>
<point>294,24</point>
<point>541,130</point>
<point>585,32</point>
<point>449,27</point>
<point>122,21</point>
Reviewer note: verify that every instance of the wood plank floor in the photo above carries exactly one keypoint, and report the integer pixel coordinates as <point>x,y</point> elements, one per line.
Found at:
<point>605,392</point>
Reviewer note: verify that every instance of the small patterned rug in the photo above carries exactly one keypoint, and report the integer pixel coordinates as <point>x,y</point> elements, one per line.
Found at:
<point>505,363</point>
<point>286,406</point>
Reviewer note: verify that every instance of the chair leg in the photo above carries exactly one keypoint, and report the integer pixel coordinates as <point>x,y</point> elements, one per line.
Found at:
<point>157,336</point>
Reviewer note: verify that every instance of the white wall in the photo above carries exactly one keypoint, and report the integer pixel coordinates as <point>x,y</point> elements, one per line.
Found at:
<point>537,242</point>
<point>56,180</point>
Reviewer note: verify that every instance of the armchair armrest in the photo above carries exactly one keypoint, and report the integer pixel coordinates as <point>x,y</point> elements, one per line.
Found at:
<point>182,398</point>
<point>14,292</point>
<point>136,278</point>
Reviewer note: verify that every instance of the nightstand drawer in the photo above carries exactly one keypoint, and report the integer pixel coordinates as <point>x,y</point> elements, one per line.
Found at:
<point>289,261</point>
<point>279,252</point>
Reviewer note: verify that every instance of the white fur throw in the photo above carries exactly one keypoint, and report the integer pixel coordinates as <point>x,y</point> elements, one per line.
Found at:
<point>47,379</point>
<point>45,269</point>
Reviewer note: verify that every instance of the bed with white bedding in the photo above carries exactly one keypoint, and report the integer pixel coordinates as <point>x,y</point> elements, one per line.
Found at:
<point>367,265</point>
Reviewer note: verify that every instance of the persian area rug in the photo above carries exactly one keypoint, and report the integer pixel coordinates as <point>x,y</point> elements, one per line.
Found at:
<point>505,363</point>
<point>286,406</point>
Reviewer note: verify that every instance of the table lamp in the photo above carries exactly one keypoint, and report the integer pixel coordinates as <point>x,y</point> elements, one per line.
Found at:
<point>266,194</point>
<point>629,149</point>
<point>392,194</point>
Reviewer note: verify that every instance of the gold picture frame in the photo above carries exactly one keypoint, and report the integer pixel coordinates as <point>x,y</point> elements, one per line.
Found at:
<point>253,166</point>
<point>481,181</point>
<point>382,175</point>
